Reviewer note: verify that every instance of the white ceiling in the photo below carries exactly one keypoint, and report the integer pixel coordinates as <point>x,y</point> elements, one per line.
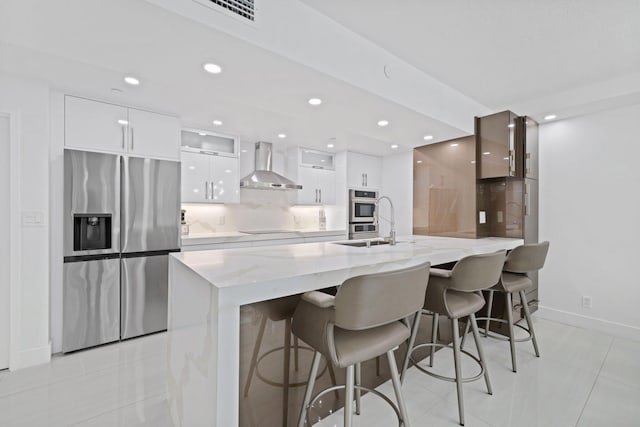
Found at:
<point>506,53</point>
<point>477,48</point>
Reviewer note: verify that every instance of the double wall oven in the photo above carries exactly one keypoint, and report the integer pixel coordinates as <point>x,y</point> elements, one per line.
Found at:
<point>363,222</point>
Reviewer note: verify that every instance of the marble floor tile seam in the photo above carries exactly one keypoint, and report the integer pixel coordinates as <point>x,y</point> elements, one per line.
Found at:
<point>116,409</point>
<point>595,382</point>
<point>73,377</point>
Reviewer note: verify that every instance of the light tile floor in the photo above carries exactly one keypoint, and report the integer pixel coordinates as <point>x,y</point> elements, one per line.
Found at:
<point>583,378</point>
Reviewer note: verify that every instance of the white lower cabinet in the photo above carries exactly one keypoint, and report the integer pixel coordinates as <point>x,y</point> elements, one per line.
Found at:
<point>274,242</point>
<point>209,179</point>
<point>211,246</point>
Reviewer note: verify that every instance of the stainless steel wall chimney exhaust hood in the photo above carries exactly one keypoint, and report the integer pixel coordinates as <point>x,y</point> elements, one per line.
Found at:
<point>263,178</point>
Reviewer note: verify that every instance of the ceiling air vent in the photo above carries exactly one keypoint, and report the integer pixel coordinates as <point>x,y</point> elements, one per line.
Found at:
<point>242,8</point>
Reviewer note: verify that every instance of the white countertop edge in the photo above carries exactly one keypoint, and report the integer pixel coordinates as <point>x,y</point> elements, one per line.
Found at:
<point>236,236</point>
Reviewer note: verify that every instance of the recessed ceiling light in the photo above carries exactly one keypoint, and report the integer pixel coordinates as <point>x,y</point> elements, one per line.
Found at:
<point>511,125</point>
<point>550,117</point>
<point>455,144</point>
<point>383,123</point>
<point>131,81</point>
<point>212,68</point>
<point>394,145</point>
<point>473,161</point>
<point>329,145</point>
<point>226,171</point>
<point>505,158</point>
<point>315,101</point>
<point>217,122</point>
<point>486,153</point>
<point>192,168</point>
<point>201,133</point>
<point>123,122</point>
<point>244,151</point>
<point>419,161</point>
<point>282,135</point>
<point>428,137</point>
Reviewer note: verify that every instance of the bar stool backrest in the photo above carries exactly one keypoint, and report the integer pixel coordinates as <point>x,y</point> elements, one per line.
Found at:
<point>373,300</point>
<point>477,272</point>
<point>526,258</point>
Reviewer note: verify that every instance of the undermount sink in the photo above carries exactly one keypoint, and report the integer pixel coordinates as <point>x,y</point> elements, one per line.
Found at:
<point>361,244</point>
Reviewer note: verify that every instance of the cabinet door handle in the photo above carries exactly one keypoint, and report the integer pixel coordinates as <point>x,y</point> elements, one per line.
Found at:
<point>527,199</point>
<point>206,190</point>
<point>320,198</point>
<point>131,130</point>
<point>316,196</point>
<point>123,137</point>
<point>366,179</point>
<point>211,191</point>
<point>363,180</point>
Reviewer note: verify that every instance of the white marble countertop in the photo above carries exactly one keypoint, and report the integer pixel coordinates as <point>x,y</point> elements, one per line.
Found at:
<point>244,267</point>
<point>237,236</point>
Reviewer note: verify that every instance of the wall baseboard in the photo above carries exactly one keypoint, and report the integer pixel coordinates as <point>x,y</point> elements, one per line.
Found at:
<point>33,357</point>
<point>613,328</point>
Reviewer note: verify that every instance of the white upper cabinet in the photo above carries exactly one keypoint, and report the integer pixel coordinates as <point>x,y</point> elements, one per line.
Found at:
<point>363,171</point>
<point>153,135</point>
<point>195,178</point>
<point>315,171</point>
<point>99,126</point>
<point>94,125</point>
<point>225,181</point>
<point>210,173</point>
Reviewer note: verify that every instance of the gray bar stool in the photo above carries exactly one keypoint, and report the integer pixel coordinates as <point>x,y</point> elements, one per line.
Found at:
<point>277,310</point>
<point>520,262</point>
<point>364,320</point>
<point>456,294</point>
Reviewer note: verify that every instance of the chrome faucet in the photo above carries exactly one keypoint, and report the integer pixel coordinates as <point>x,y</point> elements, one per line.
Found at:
<point>391,238</point>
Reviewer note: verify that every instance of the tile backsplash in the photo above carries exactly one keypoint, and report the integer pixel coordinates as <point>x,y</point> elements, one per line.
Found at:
<point>260,210</point>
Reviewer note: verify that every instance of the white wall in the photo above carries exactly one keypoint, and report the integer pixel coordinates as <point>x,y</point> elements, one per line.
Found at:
<point>590,212</point>
<point>5,253</point>
<point>29,102</point>
<point>397,183</point>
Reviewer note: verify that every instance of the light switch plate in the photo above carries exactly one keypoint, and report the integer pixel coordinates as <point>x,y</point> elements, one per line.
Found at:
<point>33,219</point>
<point>482,217</point>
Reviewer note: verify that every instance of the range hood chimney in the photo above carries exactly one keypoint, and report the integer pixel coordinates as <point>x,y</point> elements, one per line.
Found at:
<point>263,178</point>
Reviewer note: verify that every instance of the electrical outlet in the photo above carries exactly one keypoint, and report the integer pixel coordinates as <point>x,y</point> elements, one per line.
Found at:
<point>221,220</point>
<point>587,302</point>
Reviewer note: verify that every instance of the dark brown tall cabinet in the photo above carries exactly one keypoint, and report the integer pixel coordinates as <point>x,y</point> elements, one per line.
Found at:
<point>507,187</point>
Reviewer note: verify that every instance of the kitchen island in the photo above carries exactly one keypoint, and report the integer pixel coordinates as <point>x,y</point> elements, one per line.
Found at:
<point>208,288</point>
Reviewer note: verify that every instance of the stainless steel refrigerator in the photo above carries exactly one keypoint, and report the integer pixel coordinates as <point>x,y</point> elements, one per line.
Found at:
<point>121,220</point>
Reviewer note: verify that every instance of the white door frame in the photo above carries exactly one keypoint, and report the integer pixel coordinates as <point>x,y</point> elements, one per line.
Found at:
<point>15,240</point>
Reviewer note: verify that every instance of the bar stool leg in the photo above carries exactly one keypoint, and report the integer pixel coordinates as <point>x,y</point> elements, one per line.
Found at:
<point>309,389</point>
<point>476,338</point>
<point>296,348</point>
<point>527,315</point>
<point>434,336</point>
<point>358,383</point>
<point>397,388</point>
<point>512,343</point>
<point>456,360</point>
<point>254,357</point>
<point>412,341</point>
<point>464,336</point>
<point>285,370</point>
<point>348,399</point>
<point>489,307</point>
